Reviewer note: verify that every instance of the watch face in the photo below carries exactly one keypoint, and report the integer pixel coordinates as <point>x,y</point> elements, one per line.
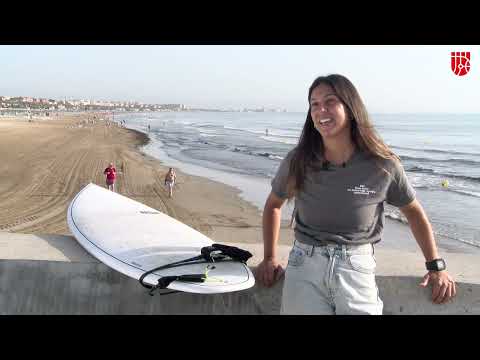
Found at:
<point>436,265</point>
<point>440,264</point>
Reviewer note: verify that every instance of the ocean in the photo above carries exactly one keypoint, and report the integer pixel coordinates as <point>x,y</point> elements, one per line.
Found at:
<point>244,149</point>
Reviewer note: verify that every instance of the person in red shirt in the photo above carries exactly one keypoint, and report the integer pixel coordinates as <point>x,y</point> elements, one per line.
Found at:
<point>111,174</point>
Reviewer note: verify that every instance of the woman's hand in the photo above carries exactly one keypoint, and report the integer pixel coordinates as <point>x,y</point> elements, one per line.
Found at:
<point>268,272</point>
<point>443,286</point>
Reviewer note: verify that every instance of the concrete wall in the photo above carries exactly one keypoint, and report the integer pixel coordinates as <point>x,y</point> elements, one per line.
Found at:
<point>51,274</point>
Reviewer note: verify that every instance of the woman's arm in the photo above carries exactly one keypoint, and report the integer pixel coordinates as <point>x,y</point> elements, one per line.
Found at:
<point>269,270</point>
<point>272,214</point>
<point>421,229</point>
<point>443,284</point>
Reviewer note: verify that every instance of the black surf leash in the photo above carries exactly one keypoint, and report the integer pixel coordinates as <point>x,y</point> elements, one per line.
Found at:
<point>208,254</point>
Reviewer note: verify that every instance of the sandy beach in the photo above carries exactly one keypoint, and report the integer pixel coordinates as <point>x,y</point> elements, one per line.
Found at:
<point>46,162</point>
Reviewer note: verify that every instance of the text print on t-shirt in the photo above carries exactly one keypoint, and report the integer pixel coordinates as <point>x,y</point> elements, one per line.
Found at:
<point>361,190</point>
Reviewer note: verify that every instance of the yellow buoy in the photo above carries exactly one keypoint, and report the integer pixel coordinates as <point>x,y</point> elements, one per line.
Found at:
<point>445,183</point>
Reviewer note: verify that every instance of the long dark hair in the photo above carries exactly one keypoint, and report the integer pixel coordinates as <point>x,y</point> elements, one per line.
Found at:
<point>310,146</point>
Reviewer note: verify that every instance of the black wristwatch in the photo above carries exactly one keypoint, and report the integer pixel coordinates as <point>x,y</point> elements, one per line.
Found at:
<point>436,265</point>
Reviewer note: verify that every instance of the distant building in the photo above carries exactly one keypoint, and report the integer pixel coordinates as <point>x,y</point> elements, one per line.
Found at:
<point>173,107</point>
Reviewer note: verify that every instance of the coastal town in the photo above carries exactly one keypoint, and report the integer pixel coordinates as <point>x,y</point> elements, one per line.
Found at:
<point>9,104</point>
<point>31,103</point>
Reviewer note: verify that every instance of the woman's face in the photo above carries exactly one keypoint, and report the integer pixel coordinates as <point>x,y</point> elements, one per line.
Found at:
<point>328,113</point>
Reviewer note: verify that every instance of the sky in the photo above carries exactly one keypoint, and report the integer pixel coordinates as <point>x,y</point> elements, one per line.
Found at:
<point>390,79</point>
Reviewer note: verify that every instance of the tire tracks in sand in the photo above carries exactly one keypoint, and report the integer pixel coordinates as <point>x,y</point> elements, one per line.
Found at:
<point>63,159</point>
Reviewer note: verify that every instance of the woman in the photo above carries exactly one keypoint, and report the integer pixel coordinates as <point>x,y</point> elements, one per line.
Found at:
<point>170,178</point>
<point>340,174</point>
<point>111,175</point>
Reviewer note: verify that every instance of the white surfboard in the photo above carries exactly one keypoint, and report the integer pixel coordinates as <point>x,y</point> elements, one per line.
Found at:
<point>133,238</point>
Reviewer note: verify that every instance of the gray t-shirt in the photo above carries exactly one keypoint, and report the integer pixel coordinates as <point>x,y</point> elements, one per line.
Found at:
<point>345,205</point>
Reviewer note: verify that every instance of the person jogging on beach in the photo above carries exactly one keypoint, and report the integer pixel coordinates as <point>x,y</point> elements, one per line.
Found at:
<point>111,174</point>
<point>170,178</point>
<point>340,174</point>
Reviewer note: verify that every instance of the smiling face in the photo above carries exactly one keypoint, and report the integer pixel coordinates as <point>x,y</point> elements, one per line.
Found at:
<point>329,115</point>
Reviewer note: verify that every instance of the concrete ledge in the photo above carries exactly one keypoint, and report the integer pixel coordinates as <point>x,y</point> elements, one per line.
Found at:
<point>52,274</point>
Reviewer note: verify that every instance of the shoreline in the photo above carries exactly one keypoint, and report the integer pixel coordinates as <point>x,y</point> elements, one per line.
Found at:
<point>397,235</point>
<point>61,156</point>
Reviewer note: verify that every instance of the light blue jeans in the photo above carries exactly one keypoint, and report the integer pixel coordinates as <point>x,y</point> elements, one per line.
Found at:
<point>331,279</point>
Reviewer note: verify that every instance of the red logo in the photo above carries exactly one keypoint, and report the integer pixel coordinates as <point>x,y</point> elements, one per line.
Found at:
<point>460,62</point>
